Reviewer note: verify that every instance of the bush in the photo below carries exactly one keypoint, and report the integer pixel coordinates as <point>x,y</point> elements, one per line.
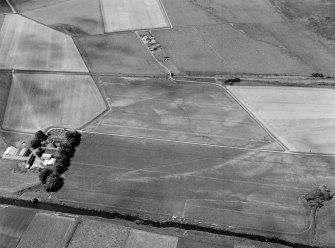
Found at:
<point>317,197</point>
<point>44,174</point>
<point>320,75</point>
<point>39,152</point>
<point>40,135</point>
<point>54,183</point>
<point>231,81</point>
<point>34,143</point>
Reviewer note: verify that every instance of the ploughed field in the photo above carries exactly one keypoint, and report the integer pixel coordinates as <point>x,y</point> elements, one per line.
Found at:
<point>301,118</point>
<point>198,113</point>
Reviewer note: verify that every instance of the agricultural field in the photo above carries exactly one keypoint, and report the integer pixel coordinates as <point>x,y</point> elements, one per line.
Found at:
<point>79,17</point>
<point>5,82</point>
<point>302,118</point>
<point>200,113</point>
<point>48,231</point>
<point>117,53</point>
<point>221,48</point>
<point>4,8</point>
<point>133,15</point>
<point>28,45</point>
<point>39,101</point>
<point>24,5</point>
<point>13,222</point>
<point>316,15</point>
<point>140,239</point>
<point>249,190</point>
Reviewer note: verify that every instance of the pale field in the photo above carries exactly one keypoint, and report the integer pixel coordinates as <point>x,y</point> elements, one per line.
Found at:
<point>141,239</point>
<point>301,118</point>
<point>25,44</point>
<point>39,101</point>
<point>97,234</point>
<point>47,231</point>
<point>122,15</point>
<point>85,15</point>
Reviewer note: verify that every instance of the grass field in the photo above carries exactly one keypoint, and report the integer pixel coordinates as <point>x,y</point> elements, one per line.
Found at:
<point>221,48</point>
<point>75,16</point>
<point>13,222</point>
<point>48,231</point>
<point>186,112</point>
<point>302,118</point>
<point>184,13</point>
<point>117,53</point>
<point>133,14</point>
<point>38,101</point>
<point>248,190</point>
<point>28,45</point>
<point>4,8</point>
<point>5,82</point>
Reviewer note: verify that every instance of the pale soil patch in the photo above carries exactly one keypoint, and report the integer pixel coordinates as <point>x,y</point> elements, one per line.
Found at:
<point>39,101</point>
<point>133,14</point>
<point>141,239</point>
<point>25,44</point>
<point>302,118</point>
<point>48,231</point>
<point>83,15</point>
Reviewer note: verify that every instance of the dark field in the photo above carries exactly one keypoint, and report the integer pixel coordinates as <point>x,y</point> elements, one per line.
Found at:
<point>248,190</point>
<point>13,222</point>
<point>4,8</point>
<point>200,113</point>
<point>5,82</point>
<point>117,53</point>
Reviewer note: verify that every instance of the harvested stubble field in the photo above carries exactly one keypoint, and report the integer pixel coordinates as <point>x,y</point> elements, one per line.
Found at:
<point>38,101</point>
<point>249,190</point>
<point>4,8</point>
<point>199,113</point>
<point>28,45</point>
<point>117,53</point>
<point>48,231</point>
<point>77,16</point>
<point>302,118</point>
<point>13,222</point>
<point>120,15</point>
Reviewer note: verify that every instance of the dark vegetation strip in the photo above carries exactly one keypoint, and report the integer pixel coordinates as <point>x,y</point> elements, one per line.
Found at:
<point>180,224</point>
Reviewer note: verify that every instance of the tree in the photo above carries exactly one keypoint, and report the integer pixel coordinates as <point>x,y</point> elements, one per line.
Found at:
<point>73,138</point>
<point>40,135</point>
<point>318,197</point>
<point>63,160</point>
<point>44,174</point>
<point>59,168</point>
<point>66,150</point>
<point>39,152</point>
<point>34,143</point>
<point>54,183</point>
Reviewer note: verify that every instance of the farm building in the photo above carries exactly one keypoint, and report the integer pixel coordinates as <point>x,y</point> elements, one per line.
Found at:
<point>49,162</point>
<point>13,153</point>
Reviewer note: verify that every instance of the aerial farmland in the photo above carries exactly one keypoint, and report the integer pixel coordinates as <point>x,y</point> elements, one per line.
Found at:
<point>198,123</point>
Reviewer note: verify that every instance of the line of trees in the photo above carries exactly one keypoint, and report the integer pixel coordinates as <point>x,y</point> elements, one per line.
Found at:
<point>51,177</point>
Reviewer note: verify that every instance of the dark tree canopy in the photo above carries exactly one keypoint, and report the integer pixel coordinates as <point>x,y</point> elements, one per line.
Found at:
<point>73,138</point>
<point>63,161</point>
<point>67,151</point>
<point>318,197</point>
<point>40,135</point>
<point>39,152</point>
<point>44,174</point>
<point>59,168</point>
<point>54,183</point>
<point>35,143</point>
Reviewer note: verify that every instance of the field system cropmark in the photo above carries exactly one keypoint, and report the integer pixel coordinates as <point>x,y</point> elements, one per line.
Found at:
<point>188,153</point>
